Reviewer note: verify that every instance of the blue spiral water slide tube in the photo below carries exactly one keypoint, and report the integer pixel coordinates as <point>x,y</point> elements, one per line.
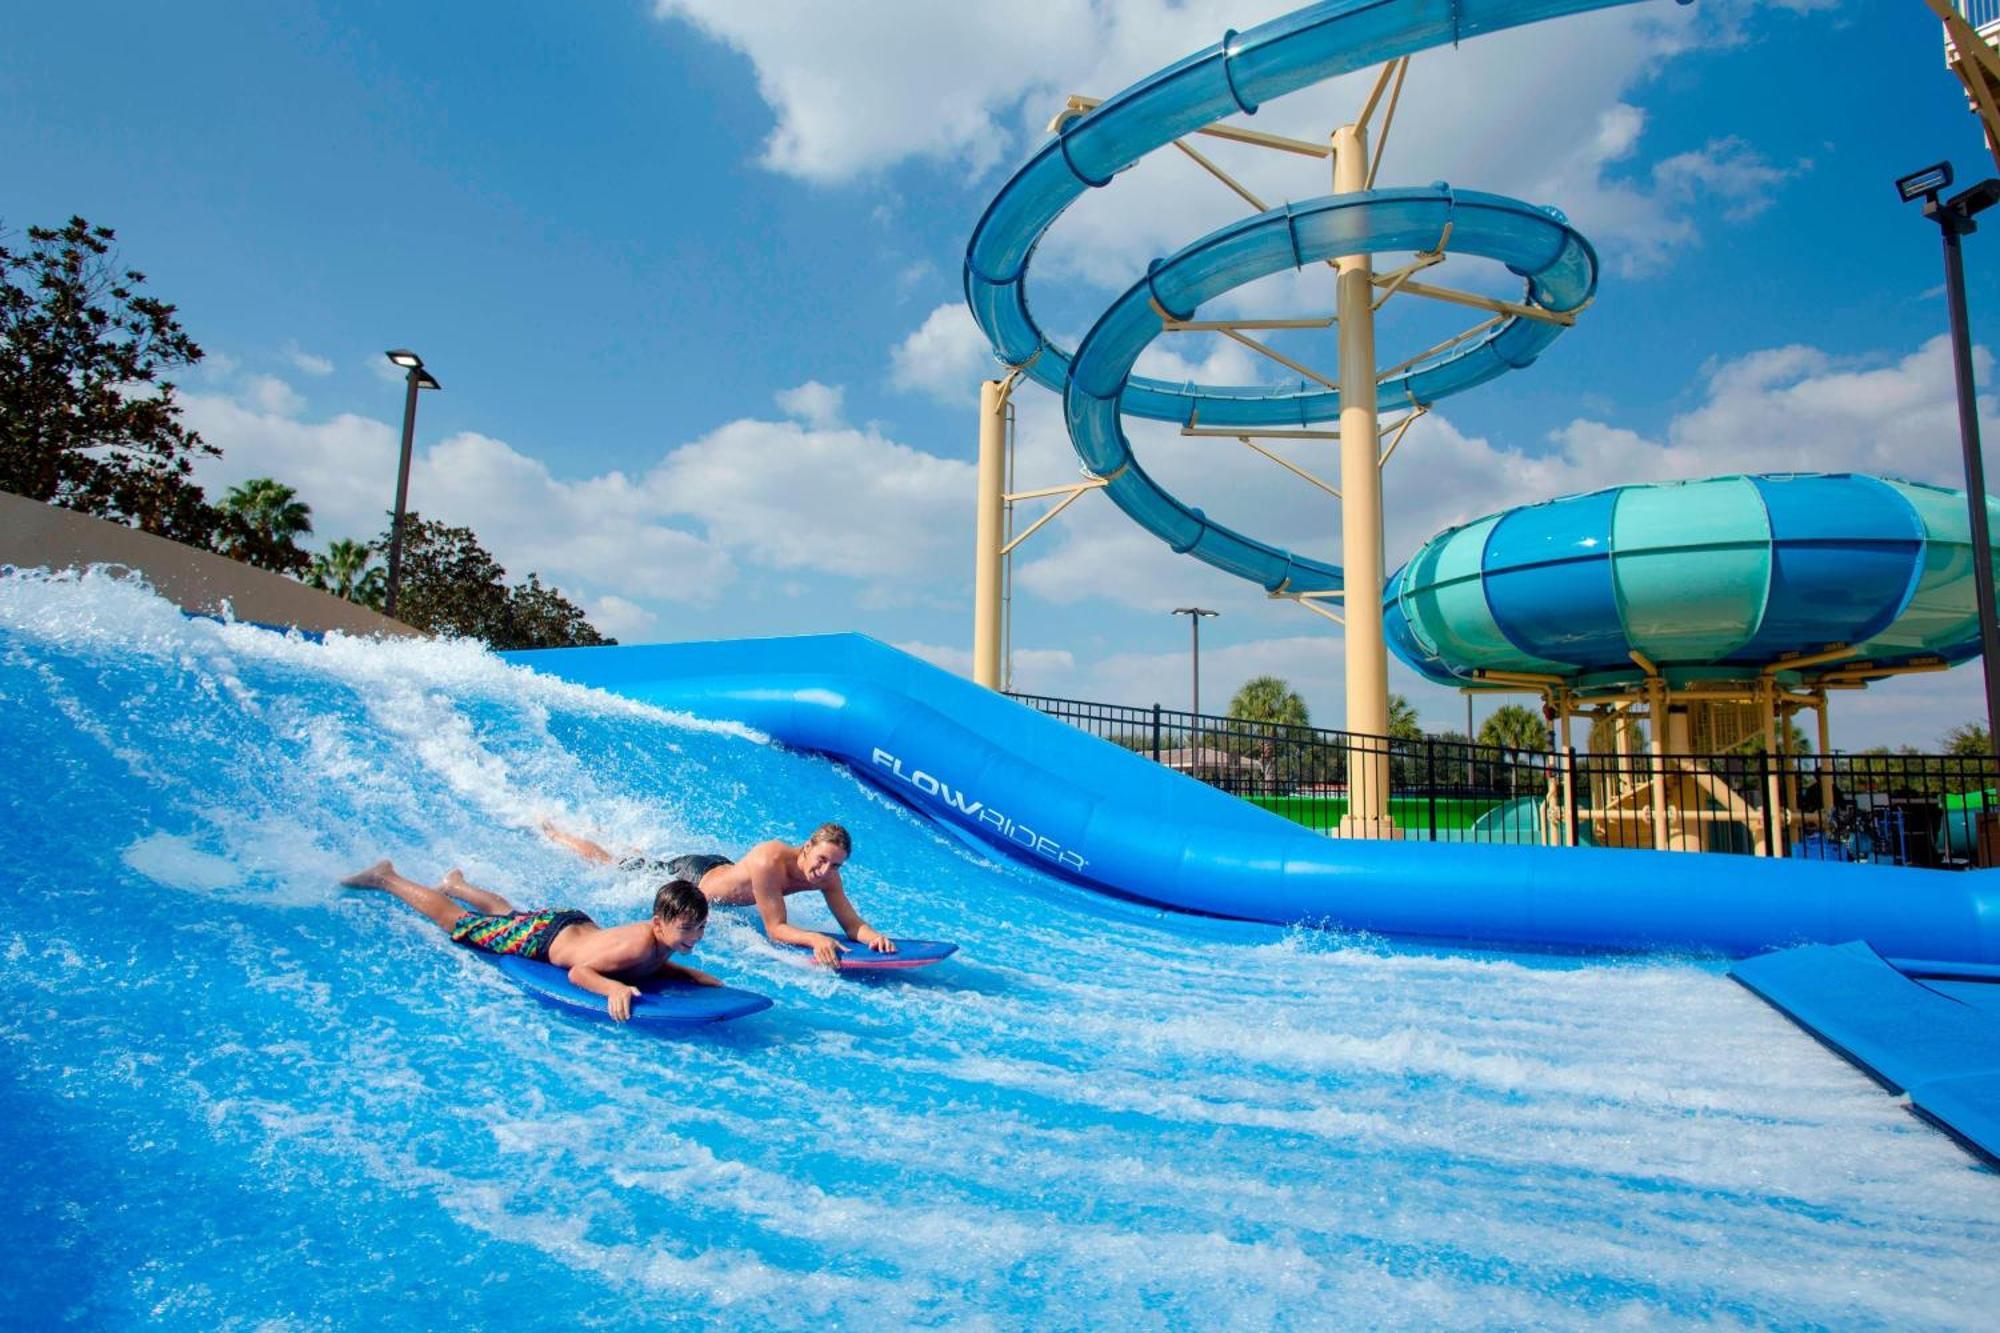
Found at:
<point>1040,792</point>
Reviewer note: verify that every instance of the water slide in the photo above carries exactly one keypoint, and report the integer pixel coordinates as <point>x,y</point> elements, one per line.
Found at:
<point>1041,793</point>
<point>1235,75</point>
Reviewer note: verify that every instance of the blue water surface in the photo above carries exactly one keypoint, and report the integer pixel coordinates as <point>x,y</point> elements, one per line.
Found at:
<point>236,1095</point>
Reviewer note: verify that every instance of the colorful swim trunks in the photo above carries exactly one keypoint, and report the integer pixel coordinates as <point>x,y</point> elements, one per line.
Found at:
<point>528,934</point>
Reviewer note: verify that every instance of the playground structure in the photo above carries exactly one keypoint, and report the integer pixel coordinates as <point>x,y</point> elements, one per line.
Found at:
<point>1717,687</point>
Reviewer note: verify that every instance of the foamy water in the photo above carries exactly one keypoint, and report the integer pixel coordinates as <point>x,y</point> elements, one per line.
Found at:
<point>237,1095</point>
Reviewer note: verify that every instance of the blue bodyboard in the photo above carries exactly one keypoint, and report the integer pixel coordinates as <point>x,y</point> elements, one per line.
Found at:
<point>664,1003</point>
<point>909,953</point>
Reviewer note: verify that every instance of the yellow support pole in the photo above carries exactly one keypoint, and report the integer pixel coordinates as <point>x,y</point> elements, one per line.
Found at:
<point>1825,763</point>
<point>1361,514</point>
<point>990,533</point>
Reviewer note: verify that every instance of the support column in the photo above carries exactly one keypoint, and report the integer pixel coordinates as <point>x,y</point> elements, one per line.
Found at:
<point>1825,764</point>
<point>1361,516</point>
<point>990,533</point>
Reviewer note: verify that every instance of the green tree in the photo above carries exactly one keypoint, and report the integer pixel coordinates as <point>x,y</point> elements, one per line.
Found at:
<point>450,584</point>
<point>1403,724</point>
<point>1268,705</point>
<point>1269,699</point>
<point>1512,727</point>
<point>345,570</point>
<point>262,521</point>
<point>87,420</point>
<point>1968,740</point>
<point>539,617</point>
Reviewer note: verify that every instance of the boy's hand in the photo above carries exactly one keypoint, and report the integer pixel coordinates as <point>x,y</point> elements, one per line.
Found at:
<point>827,950</point>
<point>876,940</point>
<point>619,1002</point>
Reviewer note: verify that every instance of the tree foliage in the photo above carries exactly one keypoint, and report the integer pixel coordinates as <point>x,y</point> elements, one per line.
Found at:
<point>87,420</point>
<point>262,520</point>
<point>1968,740</point>
<point>1403,724</point>
<point>1512,727</point>
<point>346,569</point>
<point>1269,699</point>
<point>450,584</point>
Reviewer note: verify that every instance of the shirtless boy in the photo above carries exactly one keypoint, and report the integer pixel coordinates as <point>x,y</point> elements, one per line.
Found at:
<point>598,957</point>
<point>769,873</point>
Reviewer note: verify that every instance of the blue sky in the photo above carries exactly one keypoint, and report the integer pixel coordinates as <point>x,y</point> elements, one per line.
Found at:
<point>689,274</point>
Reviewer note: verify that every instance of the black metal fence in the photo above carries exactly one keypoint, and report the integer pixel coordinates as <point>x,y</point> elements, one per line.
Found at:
<point>1906,809</point>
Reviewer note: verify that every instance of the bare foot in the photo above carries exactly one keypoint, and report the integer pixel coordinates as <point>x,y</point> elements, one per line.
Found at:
<point>454,879</point>
<point>376,876</point>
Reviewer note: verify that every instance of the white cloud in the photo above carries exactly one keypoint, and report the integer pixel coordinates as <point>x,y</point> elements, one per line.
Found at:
<point>946,358</point>
<point>913,275</point>
<point>1781,409</point>
<point>306,361</point>
<point>273,395</point>
<point>859,87</point>
<point>789,496</point>
<point>625,621</point>
<point>849,502</point>
<point>975,87</point>
<point>595,536</point>
<point>815,404</point>
<point>1028,662</point>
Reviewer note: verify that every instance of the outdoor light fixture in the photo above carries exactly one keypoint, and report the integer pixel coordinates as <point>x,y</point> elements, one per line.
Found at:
<point>1194,615</point>
<point>1954,218</point>
<point>1931,180</point>
<point>416,378</point>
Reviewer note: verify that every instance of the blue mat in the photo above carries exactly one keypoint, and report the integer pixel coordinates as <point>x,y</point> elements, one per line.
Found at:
<point>1931,1030</point>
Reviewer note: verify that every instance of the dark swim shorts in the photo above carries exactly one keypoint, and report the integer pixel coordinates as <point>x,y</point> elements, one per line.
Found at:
<point>692,868</point>
<point>528,934</point>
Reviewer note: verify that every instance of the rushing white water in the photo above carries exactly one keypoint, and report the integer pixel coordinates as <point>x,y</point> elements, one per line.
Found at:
<point>239,1095</point>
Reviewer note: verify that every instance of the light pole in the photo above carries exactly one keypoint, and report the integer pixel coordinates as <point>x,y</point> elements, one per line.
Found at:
<point>1194,615</point>
<point>417,378</point>
<point>1954,218</point>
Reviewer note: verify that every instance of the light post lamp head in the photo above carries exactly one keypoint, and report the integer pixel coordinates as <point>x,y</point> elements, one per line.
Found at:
<point>1956,213</point>
<point>410,361</point>
<point>1926,184</point>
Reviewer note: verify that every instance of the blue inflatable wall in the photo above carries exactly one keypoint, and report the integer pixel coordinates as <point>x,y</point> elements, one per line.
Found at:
<point>1046,794</point>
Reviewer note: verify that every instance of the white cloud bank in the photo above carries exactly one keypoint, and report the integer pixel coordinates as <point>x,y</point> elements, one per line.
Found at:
<point>1783,409</point>
<point>751,497</point>
<point>972,87</point>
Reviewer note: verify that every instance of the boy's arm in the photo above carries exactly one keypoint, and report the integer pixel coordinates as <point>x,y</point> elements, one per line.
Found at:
<point>618,996</point>
<point>767,890</point>
<point>850,920</point>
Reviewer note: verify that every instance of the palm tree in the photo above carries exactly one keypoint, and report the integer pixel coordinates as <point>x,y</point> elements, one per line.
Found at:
<point>1268,703</point>
<point>1269,699</point>
<point>345,571</point>
<point>263,520</point>
<point>1515,728</point>
<point>1403,724</point>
